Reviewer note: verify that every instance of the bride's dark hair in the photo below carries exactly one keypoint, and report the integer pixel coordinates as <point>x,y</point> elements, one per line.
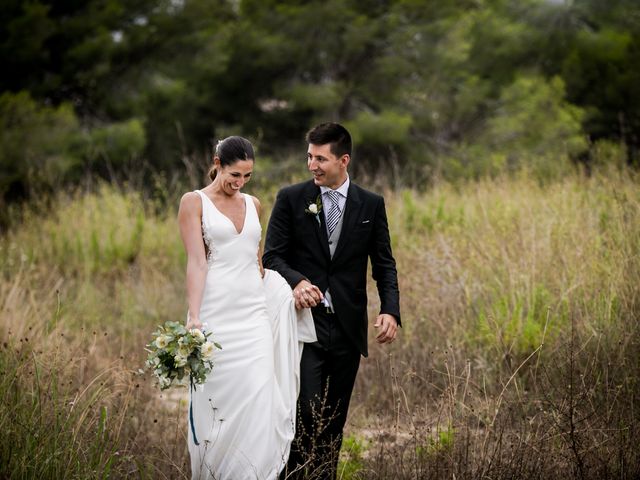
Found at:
<point>229,151</point>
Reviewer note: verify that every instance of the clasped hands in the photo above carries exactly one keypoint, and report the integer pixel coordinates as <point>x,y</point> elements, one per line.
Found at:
<point>307,295</point>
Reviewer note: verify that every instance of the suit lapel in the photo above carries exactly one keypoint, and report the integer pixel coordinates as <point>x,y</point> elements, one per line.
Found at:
<point>350,215</point>
<point>312,192</point>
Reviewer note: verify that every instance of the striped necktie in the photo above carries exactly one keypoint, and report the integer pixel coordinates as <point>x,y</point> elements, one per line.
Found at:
<point>333,215</point>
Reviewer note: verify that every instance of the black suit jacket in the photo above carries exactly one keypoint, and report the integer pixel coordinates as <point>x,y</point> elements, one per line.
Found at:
<point>297,247</point>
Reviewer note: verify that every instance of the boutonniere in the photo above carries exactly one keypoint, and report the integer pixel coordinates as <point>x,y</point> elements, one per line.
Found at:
<point>315,208</point>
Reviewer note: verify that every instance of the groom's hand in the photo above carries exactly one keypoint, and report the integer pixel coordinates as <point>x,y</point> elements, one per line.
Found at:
<point>387,327</point>
<point>306,295</point>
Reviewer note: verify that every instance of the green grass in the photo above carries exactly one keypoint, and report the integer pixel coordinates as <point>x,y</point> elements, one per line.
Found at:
<point>517,358</point>
<point>352,461</point>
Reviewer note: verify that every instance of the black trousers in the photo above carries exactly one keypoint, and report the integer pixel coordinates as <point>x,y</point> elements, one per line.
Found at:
<point>327,374</point>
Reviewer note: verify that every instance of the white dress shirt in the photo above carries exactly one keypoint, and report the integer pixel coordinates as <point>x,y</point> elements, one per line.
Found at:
<point>326,204</point>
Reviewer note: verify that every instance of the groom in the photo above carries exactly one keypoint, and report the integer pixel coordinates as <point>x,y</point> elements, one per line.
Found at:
<point>320,237</point>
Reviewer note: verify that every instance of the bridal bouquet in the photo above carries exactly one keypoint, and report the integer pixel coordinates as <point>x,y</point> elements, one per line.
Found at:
<point>178,355</point>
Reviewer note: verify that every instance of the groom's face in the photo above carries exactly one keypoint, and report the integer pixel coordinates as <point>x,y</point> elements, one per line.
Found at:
<point>327,169</point>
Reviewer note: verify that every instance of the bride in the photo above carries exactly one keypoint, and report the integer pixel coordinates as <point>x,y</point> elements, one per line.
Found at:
<point>242,420</point>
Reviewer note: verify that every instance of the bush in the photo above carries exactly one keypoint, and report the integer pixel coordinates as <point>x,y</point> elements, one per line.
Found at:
<point>532,128</point>
<point>38,144</point>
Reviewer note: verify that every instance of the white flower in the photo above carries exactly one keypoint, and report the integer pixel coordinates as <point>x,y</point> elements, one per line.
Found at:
<point>173,352</point>
<point>180,360</point>
<point>164,382</point>
<point>153,362</point>
<point>314,209</point>
<point>162,341</point>
<point>207,349</point>
<point>197,334</point>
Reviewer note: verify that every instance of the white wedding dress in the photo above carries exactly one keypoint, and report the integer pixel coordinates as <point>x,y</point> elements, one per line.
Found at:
<point>243,417</point>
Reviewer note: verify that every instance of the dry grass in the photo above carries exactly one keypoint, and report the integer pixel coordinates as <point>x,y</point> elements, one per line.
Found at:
<point>519,354</point>
<point>518,357</point>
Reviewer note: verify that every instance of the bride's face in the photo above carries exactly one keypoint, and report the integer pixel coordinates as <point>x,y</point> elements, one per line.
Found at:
<point>233,177</point>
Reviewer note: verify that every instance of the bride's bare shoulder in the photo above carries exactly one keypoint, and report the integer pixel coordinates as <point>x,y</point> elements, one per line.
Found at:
<point>190,202</point>
<point>256,202</point>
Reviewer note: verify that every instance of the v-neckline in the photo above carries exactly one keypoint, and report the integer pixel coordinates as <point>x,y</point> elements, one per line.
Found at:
<point>244,220</point>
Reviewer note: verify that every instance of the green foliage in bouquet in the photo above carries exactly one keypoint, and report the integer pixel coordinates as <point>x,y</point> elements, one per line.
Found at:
<point>177,355</point>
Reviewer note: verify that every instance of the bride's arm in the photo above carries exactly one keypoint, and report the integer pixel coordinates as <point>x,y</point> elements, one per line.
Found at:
<point>256,202</point>
<point>189,219</point>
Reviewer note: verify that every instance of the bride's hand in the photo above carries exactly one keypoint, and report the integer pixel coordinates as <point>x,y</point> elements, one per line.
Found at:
<point>307,295</point>
<point>194,323</point>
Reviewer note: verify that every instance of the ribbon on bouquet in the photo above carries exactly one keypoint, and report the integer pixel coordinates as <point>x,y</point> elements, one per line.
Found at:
<point>205,325</point>
<point>191,424</point>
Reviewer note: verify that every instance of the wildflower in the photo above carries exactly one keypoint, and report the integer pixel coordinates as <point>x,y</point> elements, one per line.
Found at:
<point>198,335</point>
<point>206,349</point>
<point>162,341</point>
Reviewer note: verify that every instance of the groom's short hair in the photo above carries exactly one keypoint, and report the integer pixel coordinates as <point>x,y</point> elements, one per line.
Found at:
<point>332,133</point>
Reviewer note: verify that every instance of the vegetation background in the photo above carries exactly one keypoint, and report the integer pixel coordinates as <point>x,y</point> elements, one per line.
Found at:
<point>504,134</point>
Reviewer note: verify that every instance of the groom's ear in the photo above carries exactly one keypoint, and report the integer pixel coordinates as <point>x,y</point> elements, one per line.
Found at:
<point>345,159</point>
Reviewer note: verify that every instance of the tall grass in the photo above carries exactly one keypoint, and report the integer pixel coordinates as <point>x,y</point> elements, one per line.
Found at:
<point>82,287</point>
<point>521,307</point>
<point>518,357</point>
